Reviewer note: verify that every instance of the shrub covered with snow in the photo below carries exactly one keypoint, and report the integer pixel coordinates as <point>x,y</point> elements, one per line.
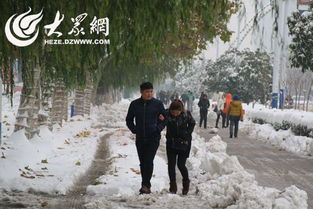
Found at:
<point>291,130</point>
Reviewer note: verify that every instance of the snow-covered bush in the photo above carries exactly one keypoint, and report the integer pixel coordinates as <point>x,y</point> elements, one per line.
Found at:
<point>246,73</point>
<point>297,129</point>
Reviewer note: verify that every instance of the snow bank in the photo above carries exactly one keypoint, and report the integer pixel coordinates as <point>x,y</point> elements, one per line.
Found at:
<point>217,180</point>
<point>124,178</point>
<point>278,116</point>
<point>112,116</point>
<point>222,181</point>
<point>50,162</point>
<point>284,139</point>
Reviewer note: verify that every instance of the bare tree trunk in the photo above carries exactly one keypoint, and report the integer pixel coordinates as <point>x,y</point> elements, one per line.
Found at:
<point>296,102</point>
<point>304,100</point>
<point>79,102</point>
<point>65,105</point>
<point>87,97</point>
<point>27,116</point>
<point>82,101</point>
<point>59,101</point>
<point>299,101</point>
<point>309,95</point>
<point>45,101</point>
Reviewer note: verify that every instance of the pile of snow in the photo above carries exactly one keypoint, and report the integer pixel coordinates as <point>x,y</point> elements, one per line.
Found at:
<point>112,115</point>
<point>284,139</point>
<point>9,115</point>
<point>222,181</point>
<point>51,161</point>
<point>278,116</point>
<point>217,180</point>
<point>123,178</point>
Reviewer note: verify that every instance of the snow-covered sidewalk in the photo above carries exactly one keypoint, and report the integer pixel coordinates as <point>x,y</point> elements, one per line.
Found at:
<point>218,180</point>
<point>284,139</point>
<point>50,162</point>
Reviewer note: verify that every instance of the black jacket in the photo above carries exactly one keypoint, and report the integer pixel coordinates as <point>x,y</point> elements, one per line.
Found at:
<point>146,113</point>
<point>204,104</point>
<point>180,127</point>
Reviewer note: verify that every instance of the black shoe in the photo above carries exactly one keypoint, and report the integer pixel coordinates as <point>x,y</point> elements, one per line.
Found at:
<point>144,190</point>
<point>230,136</point>
<point>173,187</point>
<point>186,184</point>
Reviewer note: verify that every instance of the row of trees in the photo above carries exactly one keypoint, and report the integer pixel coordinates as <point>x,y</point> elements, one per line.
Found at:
<point>148,40</point>
<point>246,73</point>
<point>301,84</point>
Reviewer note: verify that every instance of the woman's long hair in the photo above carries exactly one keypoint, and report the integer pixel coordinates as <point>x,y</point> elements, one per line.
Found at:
<point>177,104</point>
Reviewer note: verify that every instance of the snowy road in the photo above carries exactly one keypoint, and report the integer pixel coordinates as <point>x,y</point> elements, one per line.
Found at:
<point>272,166</point>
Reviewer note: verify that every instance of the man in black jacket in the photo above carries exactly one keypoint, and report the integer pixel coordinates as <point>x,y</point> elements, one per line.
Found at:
<point>204,104</point>
<point>147,127</point>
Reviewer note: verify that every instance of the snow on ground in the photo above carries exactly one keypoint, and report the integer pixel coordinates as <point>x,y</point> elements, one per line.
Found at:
<point>284,139</point>
<point>217,179</point>
<point>278,115</point>
<point>124,176</point>
<point>51,161</point>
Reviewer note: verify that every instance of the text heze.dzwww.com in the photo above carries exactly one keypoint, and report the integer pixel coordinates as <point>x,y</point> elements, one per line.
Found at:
<point>76,41</point>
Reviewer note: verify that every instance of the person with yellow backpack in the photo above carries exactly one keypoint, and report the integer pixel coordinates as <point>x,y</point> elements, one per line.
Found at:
<point>235,113</point>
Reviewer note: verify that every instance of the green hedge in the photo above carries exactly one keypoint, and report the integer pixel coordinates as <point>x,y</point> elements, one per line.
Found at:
<point>298,130</point>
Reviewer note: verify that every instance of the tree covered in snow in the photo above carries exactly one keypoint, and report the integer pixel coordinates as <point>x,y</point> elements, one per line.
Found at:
<point>301,29</point>
<point>138,50</point>
<point>191,77</point>
<point>246,73</point>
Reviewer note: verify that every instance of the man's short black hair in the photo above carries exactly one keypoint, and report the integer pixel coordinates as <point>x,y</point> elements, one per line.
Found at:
<point>146,85</point>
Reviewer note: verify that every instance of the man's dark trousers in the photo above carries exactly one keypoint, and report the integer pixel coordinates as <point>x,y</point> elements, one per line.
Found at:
<point>148,129</point>
<point>146,150</point>
<point>203,116</point>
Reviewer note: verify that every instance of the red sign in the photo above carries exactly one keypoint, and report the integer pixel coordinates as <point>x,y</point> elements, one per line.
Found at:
<point>304,2</point>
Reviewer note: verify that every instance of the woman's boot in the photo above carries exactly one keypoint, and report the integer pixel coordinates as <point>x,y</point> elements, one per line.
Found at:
<point>173,187</point>
<point>186,184</point>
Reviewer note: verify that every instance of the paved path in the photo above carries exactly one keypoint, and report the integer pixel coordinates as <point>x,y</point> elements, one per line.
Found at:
<point>272,167</point>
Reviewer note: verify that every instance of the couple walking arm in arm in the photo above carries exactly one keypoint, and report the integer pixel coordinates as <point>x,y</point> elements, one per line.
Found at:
<point>146,118</point>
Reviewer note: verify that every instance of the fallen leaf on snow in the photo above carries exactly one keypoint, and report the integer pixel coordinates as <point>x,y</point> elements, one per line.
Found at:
<point>135,171</point>
<point>27,176</point>
<point>44,204</point>
<point>97,182</point>
<point>83,134</point>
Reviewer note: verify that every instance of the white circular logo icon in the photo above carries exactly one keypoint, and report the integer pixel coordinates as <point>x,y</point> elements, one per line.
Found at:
<point>22,33</point>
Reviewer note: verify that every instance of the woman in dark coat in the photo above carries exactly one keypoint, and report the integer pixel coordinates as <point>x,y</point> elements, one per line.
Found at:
<point>180,125</point>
